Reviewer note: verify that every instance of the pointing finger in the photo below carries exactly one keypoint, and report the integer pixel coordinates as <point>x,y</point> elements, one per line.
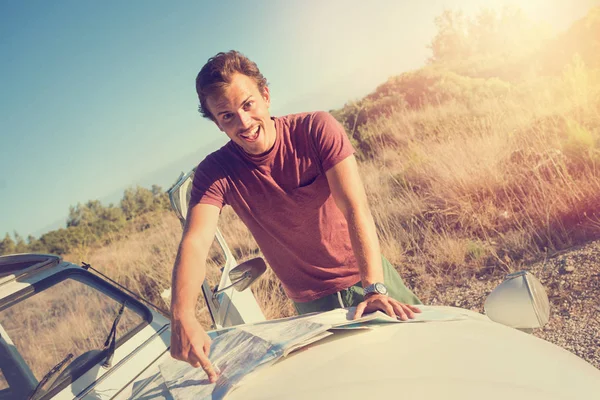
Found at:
<point>201,360</point>
<point>206,347</point>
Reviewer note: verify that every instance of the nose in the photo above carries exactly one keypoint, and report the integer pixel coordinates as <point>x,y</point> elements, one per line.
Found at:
<point>245,119</point>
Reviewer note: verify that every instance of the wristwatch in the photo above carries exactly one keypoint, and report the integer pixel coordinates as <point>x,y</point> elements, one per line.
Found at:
<point>375,288</point>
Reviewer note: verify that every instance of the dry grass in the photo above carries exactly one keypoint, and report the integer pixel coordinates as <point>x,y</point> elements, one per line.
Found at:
<point>466,190</point>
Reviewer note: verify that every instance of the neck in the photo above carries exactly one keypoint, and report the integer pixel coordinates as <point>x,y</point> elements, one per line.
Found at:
<point>270,133</point>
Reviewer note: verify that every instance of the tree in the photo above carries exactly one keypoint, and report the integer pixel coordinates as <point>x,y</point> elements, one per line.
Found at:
<point>451,43</point>
<point>161,198</point>
<point>136,201</point>
<point>35,245</point>
<point>7,245</point>
<point>56,241</point>
<point>86,214</point>
<point>503,44</point>
<point>20,245</point>
<point>94,218</point>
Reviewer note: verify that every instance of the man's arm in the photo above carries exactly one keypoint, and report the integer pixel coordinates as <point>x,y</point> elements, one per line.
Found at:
<point>189,341</point>
<point>350,197</point>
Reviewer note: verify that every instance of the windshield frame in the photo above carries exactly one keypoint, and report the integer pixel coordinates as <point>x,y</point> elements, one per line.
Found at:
<point>97,283</point>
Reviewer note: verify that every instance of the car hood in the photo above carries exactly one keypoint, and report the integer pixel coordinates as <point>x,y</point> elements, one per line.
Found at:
<point>471,358</point>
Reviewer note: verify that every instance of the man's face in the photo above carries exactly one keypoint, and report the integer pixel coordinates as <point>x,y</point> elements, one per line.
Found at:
<point>242,112</point>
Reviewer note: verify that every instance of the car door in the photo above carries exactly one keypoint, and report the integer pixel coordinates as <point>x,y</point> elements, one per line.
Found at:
<point>229,307</point>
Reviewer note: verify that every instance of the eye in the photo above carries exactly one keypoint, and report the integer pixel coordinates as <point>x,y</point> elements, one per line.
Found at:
<point>226,117</point>
<point>249,104</point>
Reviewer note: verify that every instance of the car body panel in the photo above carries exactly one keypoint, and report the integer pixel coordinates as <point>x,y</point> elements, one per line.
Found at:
<point>471,358</point>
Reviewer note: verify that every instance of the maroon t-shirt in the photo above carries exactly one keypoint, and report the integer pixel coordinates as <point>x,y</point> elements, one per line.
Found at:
<point>284,199</point>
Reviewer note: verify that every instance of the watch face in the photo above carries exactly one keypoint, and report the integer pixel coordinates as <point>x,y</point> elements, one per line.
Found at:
<point>380,288</point>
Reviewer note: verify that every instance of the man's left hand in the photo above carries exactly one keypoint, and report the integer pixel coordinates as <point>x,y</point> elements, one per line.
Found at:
<point>391,307</point>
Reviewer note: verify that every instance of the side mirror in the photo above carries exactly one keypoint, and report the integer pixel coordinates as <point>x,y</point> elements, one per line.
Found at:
<point>245,274</point>
<point>519,302</point>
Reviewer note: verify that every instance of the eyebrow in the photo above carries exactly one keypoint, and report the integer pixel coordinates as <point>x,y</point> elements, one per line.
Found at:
<point>243,102</point>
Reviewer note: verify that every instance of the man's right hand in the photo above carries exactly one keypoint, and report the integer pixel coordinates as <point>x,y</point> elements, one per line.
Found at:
<point>191,343</point>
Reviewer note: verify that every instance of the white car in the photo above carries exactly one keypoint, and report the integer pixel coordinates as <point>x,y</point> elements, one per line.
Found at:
<point>68,332</point>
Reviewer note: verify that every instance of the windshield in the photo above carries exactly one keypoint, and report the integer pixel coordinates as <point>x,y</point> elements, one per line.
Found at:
<point>68,315</point>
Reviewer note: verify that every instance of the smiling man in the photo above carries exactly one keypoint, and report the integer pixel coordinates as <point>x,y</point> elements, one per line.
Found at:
<point>294,182</point>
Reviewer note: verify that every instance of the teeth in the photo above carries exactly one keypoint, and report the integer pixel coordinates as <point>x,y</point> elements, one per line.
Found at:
<point>252,134</point>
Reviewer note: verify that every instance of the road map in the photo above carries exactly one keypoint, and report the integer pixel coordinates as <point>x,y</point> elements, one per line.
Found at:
<point>237,352</point>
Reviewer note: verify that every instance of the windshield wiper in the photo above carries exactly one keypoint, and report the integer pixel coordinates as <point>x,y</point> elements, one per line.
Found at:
<point>111,340</point>
<point>53,371</point>
<point>109,344</point>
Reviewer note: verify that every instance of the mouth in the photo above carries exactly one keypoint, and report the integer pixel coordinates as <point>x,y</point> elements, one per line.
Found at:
<point>252,134</point>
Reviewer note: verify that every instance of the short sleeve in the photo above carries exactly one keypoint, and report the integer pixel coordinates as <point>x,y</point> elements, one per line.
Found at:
<point>209,184</point>
<point>331,141</point>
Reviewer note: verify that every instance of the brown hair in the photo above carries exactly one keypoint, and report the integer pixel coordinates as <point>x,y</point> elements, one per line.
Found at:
<point>216,74</point>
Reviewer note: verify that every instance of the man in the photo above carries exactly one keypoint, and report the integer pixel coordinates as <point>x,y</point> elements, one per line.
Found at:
<point>294,182</point>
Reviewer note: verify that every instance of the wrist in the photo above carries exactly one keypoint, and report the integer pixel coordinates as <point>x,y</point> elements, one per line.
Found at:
<point>370,295</point>
<point>182,314</point>
<point>376,288</point>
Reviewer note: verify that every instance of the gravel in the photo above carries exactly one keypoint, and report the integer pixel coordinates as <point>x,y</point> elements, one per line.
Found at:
<point>572,281</point>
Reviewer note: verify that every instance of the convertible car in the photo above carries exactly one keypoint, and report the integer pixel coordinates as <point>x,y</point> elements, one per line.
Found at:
<point>69,332</point>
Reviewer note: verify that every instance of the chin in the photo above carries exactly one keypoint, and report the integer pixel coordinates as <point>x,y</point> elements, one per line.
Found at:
<point>254,150</point>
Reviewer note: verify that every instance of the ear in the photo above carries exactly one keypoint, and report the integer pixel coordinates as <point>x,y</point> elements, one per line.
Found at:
<point>266,95</point>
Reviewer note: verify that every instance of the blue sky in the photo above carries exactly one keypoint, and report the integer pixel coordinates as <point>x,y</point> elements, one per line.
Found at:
<point>96,96</point>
